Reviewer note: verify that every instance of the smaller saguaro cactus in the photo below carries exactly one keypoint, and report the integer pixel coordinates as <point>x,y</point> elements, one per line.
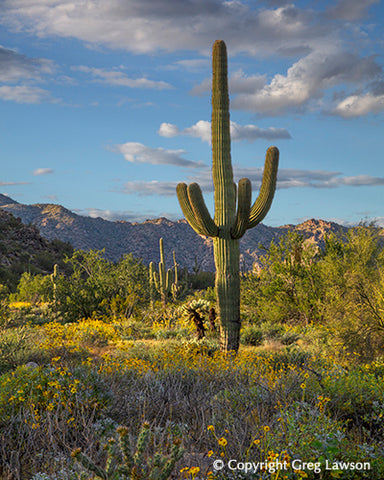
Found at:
<point>54,285</point>
<point>163,279</point>
<point>166,281</point>
<point>124,461</point>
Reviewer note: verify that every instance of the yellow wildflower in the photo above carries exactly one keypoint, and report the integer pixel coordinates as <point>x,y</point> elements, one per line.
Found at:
<point>222,442</point>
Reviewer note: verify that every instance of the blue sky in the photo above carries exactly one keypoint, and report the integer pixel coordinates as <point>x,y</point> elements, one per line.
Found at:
<point>105,104</point>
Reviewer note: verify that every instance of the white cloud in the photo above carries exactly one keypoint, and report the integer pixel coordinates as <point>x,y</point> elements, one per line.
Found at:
<point>168,130</point>
<point>287,178</point>
<point>359,105</point>
<point>202,130</point>
<point>120,79</point>
<point>154,187</point>
<point>138,153</point>
<point>43,171</point>
<point>307,80</point>
<point>124,215</point>
<point>148,26</point>
<point>7,184</point>
<point>24,94</point>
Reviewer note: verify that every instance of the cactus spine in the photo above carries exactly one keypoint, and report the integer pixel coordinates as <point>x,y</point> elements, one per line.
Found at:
<point>229,224</point>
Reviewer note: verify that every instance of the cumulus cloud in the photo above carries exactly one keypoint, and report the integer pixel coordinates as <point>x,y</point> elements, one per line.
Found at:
<point>120,79</point>
<point>307,80</point>
<point>359,105</point>
<point>138,153</point>
<point>147,26</point>
<point>43,171</point>
<point>202,130</point>
<point>287,178</point>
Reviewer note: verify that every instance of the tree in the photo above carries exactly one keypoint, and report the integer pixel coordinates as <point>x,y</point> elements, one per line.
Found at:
<point>352,271</point>
<point>287,287</point>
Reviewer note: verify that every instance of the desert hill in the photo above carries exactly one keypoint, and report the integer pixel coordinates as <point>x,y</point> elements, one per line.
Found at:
<point>142,239</point>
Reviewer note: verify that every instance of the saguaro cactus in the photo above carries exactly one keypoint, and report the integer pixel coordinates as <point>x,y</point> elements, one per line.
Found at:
<point>163,279</point>
<point>54,286</point>
<point>229,224</point>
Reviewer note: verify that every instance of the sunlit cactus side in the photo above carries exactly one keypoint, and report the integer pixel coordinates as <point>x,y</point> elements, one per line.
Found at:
<point>132,462</point>
<point>234,213</point>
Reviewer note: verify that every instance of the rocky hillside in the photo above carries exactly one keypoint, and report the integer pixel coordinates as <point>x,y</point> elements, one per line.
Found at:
<point>142,239</point>
<point>23,249</point>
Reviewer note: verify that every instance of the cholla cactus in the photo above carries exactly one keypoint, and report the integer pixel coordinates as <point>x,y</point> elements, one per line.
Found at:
<point>195,311</point>
<point>124,462</point>
<point>230,222</point>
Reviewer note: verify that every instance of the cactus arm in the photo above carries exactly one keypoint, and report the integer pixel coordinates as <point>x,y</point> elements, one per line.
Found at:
<point>162,274</point>
<point>243,208</point>
<point>161,245</point>
<point>264,200</point>
<point>169,280</point>
<point>201,212</point>
<point>176,278</point>
<point>185,204</point>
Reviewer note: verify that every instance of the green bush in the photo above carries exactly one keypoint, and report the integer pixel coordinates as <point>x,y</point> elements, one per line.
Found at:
<point>251,335</point>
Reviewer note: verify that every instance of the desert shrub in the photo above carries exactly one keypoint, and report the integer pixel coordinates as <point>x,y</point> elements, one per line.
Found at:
<point>14,347</point>
<point>357,397</point>
<point>286,287</point>
<point>80,337</point>
<point>353,274</point>
<point>251,335</point>
<point>45,410</point>
<point>33,289</point>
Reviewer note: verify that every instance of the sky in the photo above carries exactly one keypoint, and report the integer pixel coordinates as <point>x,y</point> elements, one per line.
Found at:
<point>105,104</point>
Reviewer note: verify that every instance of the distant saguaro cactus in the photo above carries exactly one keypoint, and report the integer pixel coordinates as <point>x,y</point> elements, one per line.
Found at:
<point>165,281</point>
<point>229,224</point>
<point>54,285</point>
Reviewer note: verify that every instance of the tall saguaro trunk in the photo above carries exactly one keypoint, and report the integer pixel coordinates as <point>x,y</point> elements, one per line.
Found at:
<point>226,248</point>
<point>229,223</point>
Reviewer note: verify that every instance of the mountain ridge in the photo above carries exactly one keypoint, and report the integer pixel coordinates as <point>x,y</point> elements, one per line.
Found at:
<point>142,239</point>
